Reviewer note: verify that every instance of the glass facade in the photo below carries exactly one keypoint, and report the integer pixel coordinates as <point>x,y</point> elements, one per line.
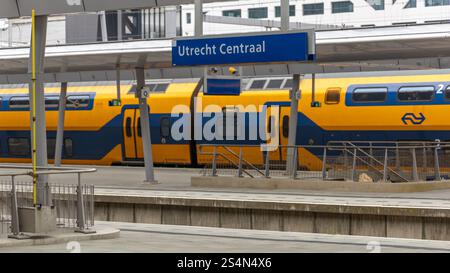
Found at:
<point>258,13</point>
<point>341,7</point>
<point>311,9</point>
<point>232,13</point>
<point>291,11</point>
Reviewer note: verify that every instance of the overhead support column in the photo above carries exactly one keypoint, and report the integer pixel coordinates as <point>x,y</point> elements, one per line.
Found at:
<point>284,6</point>
<point>37,109</point>
<point>145,127</point>
<point>198,17</point>
<point>104,26</point>
<point>294,96</point>
<point>60,129</point>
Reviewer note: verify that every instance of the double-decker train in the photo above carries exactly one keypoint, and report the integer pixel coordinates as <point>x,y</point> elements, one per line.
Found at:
<point>388,106</point>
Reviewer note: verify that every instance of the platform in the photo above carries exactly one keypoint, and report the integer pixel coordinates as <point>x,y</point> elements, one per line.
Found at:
<point>149,238</point>
<point>121,196</point>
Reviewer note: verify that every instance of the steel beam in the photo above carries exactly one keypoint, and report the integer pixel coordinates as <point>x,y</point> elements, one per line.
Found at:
<point>43,197</point>
<point>145,127</point>
<point>198,17</point>
<point>60,129</point>
<point>293,122</point>
<point>284,6</point>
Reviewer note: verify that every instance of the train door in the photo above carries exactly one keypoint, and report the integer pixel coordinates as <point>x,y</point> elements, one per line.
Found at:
<point>284,130</point>
<point>138,132</point>
<point>278,119</point>
<point>129,134</point>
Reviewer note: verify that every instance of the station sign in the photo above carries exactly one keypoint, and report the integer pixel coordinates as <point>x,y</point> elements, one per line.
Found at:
<point>277,47</point>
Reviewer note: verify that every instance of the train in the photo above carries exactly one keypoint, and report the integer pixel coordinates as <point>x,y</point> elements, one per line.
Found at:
<point>372,106</point>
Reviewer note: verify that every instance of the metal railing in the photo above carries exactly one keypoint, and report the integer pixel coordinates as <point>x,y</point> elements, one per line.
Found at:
<point>366,161</point>
<point>74,204</point>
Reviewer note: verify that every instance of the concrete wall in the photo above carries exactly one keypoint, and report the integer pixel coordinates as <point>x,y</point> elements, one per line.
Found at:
<point>319,221</point>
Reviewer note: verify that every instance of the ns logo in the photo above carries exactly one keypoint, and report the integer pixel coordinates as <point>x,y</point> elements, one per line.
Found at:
<point>73,2</point>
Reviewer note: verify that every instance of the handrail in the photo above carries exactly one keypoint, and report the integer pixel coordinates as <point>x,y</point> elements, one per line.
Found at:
<point>376,160</point>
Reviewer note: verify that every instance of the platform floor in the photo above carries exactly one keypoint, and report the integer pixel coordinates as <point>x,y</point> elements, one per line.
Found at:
<point>149,238</point>
<point>176,182</point>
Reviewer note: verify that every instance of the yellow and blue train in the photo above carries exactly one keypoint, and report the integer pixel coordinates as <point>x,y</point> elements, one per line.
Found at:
<point>369,107</point>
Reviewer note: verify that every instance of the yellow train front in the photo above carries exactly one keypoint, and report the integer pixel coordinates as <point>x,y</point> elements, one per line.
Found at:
<point>370,107</point>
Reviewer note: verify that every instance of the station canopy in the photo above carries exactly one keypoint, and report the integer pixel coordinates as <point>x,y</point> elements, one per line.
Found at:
<point>19,8</point>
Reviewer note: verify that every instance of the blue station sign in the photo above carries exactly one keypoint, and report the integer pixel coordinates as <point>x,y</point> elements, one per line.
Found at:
<point>257,48</point>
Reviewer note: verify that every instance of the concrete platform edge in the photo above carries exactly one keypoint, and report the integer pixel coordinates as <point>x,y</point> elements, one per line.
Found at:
<point>342,186</point>
<point>101,234</point>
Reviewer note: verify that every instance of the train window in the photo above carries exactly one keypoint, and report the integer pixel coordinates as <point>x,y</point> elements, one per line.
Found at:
<point>68,147</point>
<point>19,146</point>
<point>139,130</point>
<point>128,127</point>
<point>161,87</point>
<point>370,94</point>
<point>231,117</point>
<point>447,94</point>
<point>416,93</point>
<point>78,101</point>
<point>51,143</point>
<point>165,127</point>
<point>51,102</point>
<point>275,84</point>
<point>289,83</point>
<point>333,96</point>
<point>258,84</point>
<point>19,102</point>
<point>286,126</point>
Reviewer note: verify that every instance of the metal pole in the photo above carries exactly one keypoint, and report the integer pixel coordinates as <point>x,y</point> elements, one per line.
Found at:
<point>214,162</point>
<point>104,26</point>
<point>313,88</point>
<point>60,129</point>
<point>240,162</point>
<point>284,6</point>
<point>118,83</point>
<point>293,122</point>
<point>414,165</point>
<point>37,109</point>
<point>397,157</point>
<point>324,164</point>
<point>198,17</point>
<point>10,33</point>
<point>15,229</point>
<point>267,165</point>
<point>119,25</point>
<point>295,165</point>
<point>80,205</point>
<point>354,165</point>
<point>385,167</point>
<point>145,127</point>
<point>437,170</point>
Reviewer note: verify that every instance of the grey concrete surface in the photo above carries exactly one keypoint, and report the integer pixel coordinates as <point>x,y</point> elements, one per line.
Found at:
<point>180,179</point>
<point>60,236</point>
<point>162,239</point>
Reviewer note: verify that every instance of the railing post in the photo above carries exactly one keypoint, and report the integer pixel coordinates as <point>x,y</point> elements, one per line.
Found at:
<point>214,163</point>
<point>14,209</point>
<point>81,220</point>
<point>354,165</point>
<point>324,164</point>
<point>397,157</point>
<point>267,165</point>
<point>437,170</point>
<point>415,175</point>
<point>15,224</point>
<point>295,164</point>
<point>385,167</point>
<point>424,158</point>
<point>240,163</point>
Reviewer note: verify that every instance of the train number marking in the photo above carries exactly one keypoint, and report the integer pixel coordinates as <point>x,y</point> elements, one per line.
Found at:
<point>440,89</point>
